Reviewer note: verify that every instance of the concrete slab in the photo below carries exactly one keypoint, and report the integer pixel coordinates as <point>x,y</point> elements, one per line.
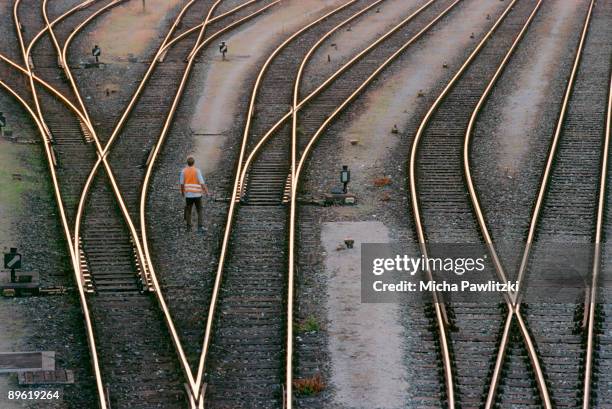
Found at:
<point>365,340</point>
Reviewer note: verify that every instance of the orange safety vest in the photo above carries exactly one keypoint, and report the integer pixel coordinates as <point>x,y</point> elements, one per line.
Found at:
<point>191,181</point>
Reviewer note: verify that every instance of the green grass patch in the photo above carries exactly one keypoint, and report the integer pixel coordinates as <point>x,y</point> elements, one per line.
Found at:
<point>310,324</point>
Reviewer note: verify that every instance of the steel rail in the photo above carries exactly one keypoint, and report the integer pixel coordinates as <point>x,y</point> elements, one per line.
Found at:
<point>102,156</point>
<point>65,225</point>
<point>414,194</point>
<point>87,122</point>
<point>294,119</point>
<point>309,147</point>
<point>516,304</point>
<point>197,385</point>
<point>100,151</point>
<point>316,92</point>
<point>52,90</point>
<point>193,387</point>
<point>479,214</point>
<point>231,211</point>
<point>601,206</point>
<point>64,220</point>
<point>212,20</point>
<point>298,78</point>
<point>553,147</point>
<point>35,40</point>
<point>49,25</point>
<point>26,61</point>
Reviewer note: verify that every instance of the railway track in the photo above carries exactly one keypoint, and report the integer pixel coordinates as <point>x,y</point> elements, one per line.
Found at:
<point>245,313</point>
<point>442,195</point>
<point>597,313</point>
<point>147,117</point>
<point>246,344</point>
<point>438,195</point>
<point>565,212</point>
<point>263,202</point>
<point>252,302</point>
<point>119,304</point>
<point>122,358</point>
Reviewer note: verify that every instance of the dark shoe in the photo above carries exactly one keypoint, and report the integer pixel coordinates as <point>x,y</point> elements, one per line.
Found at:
<point>188,227</point>
<point>201,229</point>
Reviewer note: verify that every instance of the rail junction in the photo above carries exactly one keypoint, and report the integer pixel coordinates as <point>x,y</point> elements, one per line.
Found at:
<point>234,317</point>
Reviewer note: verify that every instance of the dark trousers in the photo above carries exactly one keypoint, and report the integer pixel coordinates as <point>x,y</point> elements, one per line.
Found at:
<point>189,202</point>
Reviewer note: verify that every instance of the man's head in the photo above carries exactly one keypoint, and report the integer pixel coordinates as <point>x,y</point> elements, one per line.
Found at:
<point>190,161</point>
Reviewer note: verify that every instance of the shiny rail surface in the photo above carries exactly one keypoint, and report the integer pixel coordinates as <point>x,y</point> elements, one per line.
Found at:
<point>82,115</point>
<point>413,182</point>
<point>228,232</point>
<point>300,148</point>
<point>592,297</point>
<point>303,146</point>
<point>514,301</point>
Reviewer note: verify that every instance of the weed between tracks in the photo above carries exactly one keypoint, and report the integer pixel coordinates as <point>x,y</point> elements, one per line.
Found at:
<point>310,324</point>
<point>309,386</point>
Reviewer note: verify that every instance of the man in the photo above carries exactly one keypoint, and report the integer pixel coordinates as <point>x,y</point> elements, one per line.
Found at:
<point>192,188</point>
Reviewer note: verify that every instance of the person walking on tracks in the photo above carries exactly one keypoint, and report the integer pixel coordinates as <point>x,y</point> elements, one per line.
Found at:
<point>192,188</point>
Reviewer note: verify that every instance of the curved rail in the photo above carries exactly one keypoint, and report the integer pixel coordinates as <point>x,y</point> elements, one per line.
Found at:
<point>52,90</point>
<point>231,211</point>
<point>479,214</point>
<point>101,154</point>
<point>83,117</point>
<point>46,135</point>
<point>199,26</point>
<point>298,80</point>
<point>26,61</point>
<point>65,225</point>
<point>195,386</point>
<point>49,25</point>
<point>317,91</point>
<point>515,305</point>
<point>310,146</point>
<point>601,205</point>
<point>414,195</point>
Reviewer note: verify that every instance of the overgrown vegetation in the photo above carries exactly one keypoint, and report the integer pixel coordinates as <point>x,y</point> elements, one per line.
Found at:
<point>310,324</point>
<point>309,386</point>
